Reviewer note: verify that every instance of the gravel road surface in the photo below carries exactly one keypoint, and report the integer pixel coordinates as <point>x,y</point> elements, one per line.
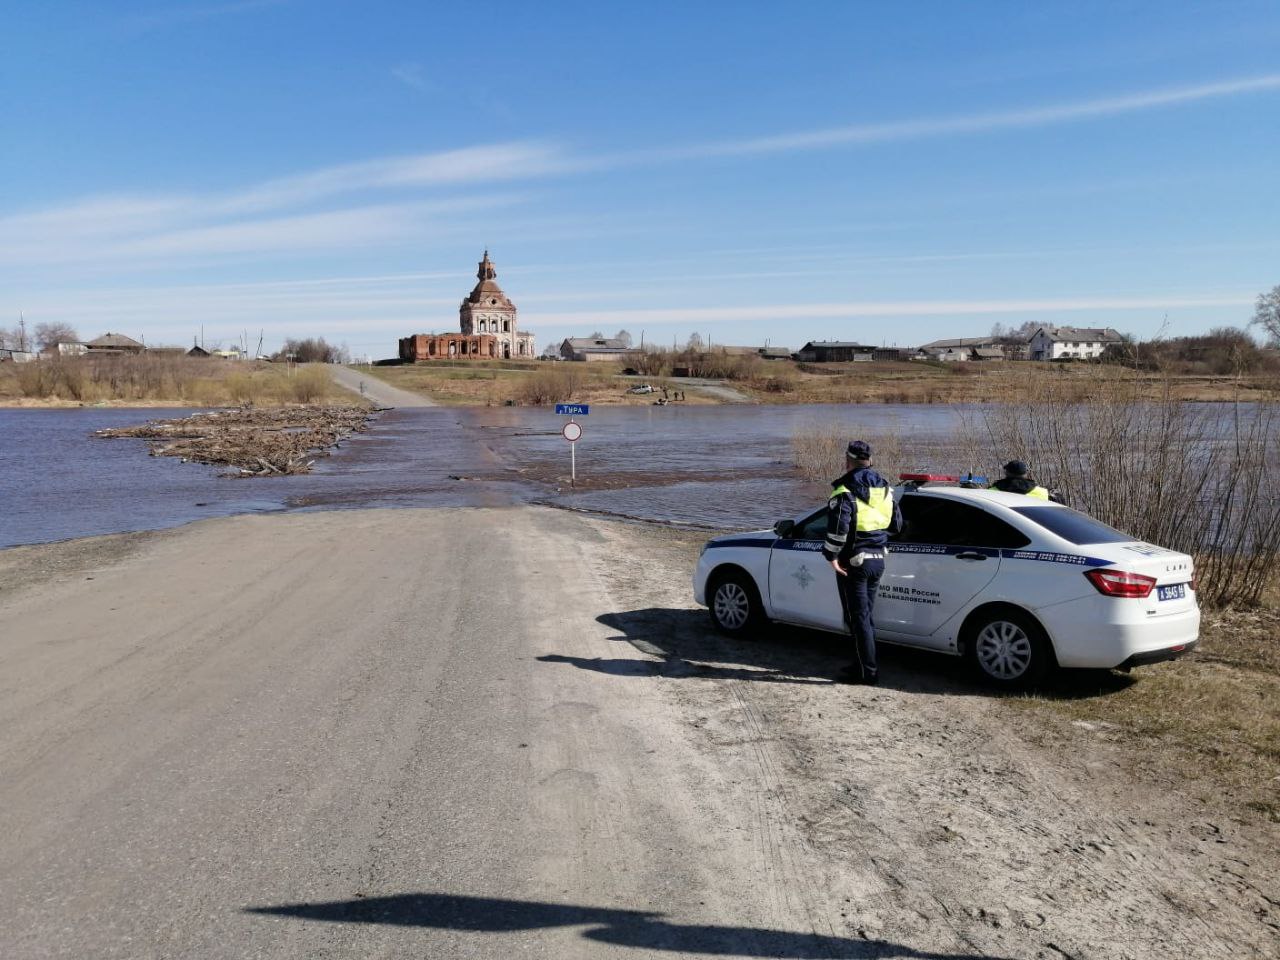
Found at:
<point>507,733</point>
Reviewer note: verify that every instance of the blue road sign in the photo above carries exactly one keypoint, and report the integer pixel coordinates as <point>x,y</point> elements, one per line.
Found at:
<point>572,409</point>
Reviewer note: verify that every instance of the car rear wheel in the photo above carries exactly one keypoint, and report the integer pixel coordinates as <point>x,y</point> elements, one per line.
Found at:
<point>1008,649</point>
<point>735,606</point>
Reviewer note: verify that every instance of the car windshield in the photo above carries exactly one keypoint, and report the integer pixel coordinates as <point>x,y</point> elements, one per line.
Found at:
<point>1072,525</point>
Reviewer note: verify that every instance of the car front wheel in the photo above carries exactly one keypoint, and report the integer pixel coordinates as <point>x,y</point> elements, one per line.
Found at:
<point>735,606</point>
<point>1008,649</point>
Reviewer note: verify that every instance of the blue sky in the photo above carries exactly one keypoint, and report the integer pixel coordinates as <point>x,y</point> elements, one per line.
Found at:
<point>752,171</point>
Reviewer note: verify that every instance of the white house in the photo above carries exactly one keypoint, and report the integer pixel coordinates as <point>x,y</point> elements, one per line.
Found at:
<point>1071,343</point>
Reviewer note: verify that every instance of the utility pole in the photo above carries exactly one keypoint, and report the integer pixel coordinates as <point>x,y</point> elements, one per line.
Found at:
<point>22,333</point>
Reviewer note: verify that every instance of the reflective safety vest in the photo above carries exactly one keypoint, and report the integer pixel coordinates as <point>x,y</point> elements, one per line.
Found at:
<point>875,513</point>
<point>1039,492</point>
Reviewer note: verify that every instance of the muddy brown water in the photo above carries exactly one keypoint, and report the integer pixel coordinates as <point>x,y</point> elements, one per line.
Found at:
<point>718,467</point>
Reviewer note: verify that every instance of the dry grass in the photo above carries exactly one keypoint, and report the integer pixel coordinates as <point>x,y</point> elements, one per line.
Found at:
<point>1210,722</point>
<point>164,380</point>
<point>922,382</point>
<point>485,384</point>
<point>490,382</point>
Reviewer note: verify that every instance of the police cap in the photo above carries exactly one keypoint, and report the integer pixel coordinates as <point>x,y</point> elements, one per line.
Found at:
<point>859,450</point>
<point>1016,468</point>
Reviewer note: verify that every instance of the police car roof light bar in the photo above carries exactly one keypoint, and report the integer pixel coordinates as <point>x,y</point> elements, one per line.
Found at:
<point>917,480</point>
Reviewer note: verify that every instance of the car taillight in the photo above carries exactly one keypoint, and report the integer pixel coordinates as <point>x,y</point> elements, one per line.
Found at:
<point>1120,583</point>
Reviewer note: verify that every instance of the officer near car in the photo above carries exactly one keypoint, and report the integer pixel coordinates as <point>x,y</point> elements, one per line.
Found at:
<point>861,515</point>
<point>1017,479</point>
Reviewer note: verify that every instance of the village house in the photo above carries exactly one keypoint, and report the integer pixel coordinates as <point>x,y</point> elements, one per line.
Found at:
<point>835,351</point>
<point>1072,343</point>
<point>114,343</point>
<point>488,325</point>
<point>65,348</point>
<point>588,349</point>
<point>765,353</point>
<point>963,349</point>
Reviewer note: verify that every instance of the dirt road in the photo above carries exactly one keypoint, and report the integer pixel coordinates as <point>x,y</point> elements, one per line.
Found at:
<point>379,391</point>
<point>506,733</point>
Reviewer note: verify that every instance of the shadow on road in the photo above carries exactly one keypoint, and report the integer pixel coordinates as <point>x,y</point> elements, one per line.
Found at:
<point>687,647</point>
<point>628,928</point>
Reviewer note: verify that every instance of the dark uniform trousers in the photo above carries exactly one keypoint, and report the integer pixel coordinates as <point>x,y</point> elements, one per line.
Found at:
<point>858,597</point>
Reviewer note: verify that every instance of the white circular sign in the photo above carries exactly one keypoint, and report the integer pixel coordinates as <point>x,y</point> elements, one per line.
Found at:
<point>572,431</point>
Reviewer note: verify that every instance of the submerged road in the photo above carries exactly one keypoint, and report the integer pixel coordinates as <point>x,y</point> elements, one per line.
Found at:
<point>379,391</point>
<point>506,733</point>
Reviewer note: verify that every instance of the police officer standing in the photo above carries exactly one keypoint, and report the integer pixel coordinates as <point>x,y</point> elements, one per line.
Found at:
<point>1017,479</point>
<point>861,514</point>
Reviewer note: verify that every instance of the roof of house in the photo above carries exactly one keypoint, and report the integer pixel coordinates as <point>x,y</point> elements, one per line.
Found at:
<point>1077,334</point>
<point>959,342</point>
<point>989,353</point>
<point>580,344</point>
<point>836,344</point>
<point>116,341</point>
<point>751,351</point>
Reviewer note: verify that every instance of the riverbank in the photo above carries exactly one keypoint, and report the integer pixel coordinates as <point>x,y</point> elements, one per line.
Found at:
<point>278,720</point>
<point>156,381</point>
<point>458,383</point>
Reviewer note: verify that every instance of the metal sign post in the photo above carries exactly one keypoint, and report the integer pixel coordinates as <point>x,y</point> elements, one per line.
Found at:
<point>573,433</point>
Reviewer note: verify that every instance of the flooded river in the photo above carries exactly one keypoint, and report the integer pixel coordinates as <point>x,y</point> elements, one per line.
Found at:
<point>722,467</point>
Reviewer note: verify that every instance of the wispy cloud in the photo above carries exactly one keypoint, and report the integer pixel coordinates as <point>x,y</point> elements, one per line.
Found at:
<point>111,232</point>
<point>886,309</point>
<point>962,124</point>
<point>412,75</point>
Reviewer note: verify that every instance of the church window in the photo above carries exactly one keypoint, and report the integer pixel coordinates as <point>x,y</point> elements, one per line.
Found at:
<point>506,326</point>
<point>483,326</point>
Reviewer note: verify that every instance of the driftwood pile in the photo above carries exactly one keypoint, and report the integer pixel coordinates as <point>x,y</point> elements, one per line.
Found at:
<point>269,442</point>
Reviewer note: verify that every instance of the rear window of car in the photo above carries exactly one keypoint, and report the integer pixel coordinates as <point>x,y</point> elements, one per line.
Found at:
<point>1072,525</point>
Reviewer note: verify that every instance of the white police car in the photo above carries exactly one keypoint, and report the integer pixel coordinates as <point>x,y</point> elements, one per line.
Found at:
<point>1017,585</point>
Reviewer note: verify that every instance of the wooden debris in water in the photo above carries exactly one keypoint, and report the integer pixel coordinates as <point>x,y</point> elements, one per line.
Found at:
<point>266,442</point>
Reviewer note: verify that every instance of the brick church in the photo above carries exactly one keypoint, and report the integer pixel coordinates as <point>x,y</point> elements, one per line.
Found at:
<point>487,320</point>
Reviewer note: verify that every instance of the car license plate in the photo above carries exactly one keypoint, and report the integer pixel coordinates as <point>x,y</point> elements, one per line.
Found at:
<point>1174,591</point>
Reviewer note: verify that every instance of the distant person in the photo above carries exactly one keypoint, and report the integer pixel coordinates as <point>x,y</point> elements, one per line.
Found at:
<point>1017,479</point>
<point>860,516</point>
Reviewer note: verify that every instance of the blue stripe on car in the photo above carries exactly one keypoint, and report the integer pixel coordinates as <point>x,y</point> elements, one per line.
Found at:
<point>936,549</point>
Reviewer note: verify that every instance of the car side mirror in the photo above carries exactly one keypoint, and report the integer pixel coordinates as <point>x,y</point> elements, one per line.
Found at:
<point>783,528</point>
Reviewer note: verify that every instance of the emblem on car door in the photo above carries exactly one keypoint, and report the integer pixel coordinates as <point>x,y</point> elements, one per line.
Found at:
<point>803,576</point>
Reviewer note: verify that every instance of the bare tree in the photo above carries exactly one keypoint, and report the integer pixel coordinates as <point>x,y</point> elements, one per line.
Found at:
<point>551,350</point>
<point>1267,314</point>
<point>624,337</point>
<point>694,342</point>
<point>311,350</point>
<point>47,334</point>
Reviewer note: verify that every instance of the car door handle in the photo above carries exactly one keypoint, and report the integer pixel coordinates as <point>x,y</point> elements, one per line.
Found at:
<point>971,555</point>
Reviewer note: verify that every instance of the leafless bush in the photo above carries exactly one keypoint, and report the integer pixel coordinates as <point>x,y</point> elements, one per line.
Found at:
<point>818,449</point>
<point>651,362</point>
<point>1187,476</point>
<point>549,386</point>
<point>1191,477</point>
<point>310,385</point>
